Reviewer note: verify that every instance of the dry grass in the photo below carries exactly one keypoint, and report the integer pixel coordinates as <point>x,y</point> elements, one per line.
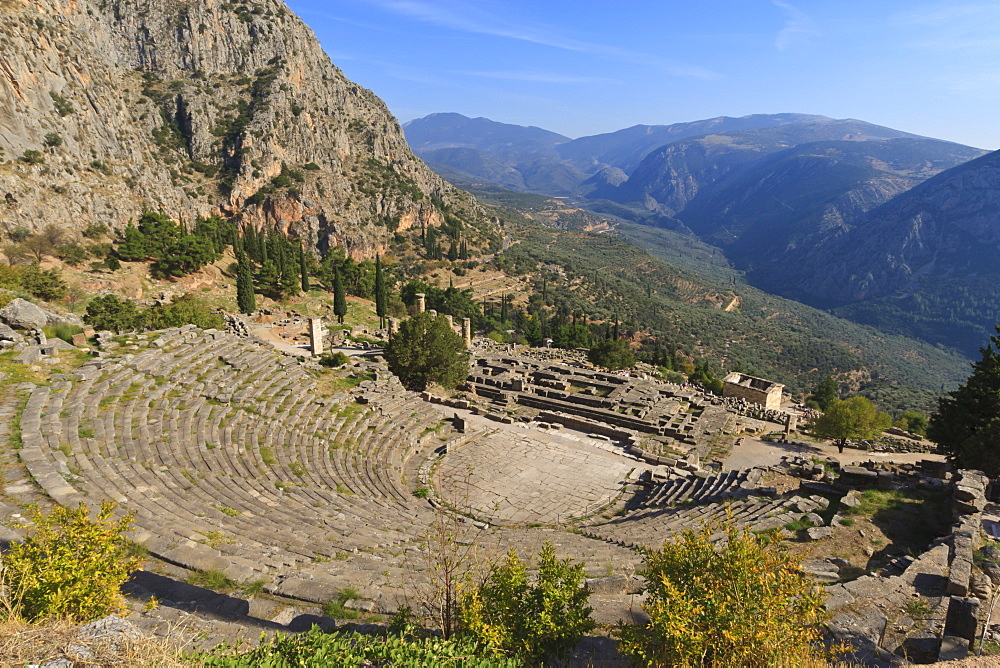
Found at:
<point>22,644</point>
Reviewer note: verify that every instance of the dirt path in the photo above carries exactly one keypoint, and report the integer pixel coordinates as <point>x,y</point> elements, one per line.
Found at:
<point>755,452</point>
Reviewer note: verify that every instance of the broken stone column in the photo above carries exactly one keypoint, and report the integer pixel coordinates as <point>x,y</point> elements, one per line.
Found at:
<point>421,302</point>
<point>316,336</point>
<point>791,422</point>
<point>433,313</point>
<point>451,321</point>
<point>467,331</point>
<point>393,326</point>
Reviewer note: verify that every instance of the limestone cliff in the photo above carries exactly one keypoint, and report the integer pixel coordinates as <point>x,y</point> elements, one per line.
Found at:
<point>202,106</point>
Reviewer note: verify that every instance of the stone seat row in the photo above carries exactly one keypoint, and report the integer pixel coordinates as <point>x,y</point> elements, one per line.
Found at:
<point>195,473</point>
<point>700,488</point>
<point>648,529</point>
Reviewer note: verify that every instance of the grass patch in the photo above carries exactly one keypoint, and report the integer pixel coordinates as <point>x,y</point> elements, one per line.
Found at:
<point>336,609</point>
<point>254,587</point>
<point>62,331</point>
<point>875,500</point>
<point>800,524</point>
<point>226,510</point>
<point>267,456</point>
<point>15,425</point>
<point>212,579</point>
<point>918,608</point>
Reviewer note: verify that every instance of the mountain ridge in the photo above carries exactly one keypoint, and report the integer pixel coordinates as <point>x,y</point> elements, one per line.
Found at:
<point>199,107</point>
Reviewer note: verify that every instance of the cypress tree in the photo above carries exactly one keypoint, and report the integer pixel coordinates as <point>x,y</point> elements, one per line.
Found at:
<point>246,301</point>
<point>381,296</point>
<point>303,270</point>
<point>339,297</point>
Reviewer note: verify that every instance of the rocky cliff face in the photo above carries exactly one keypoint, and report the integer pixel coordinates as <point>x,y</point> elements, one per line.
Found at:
<point>195,107</point>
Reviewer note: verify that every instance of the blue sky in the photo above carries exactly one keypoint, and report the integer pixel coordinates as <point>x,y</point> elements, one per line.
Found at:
<point>586,67</point>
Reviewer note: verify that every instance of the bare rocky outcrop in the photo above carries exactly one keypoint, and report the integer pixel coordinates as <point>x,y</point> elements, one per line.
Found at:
<point>22,314</point>
<point>202,107</point>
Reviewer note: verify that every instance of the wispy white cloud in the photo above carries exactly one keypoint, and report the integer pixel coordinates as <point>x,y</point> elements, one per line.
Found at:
<point>472,19</point>
<point>951,27</point>
<point>798,29</point>
<point>528,75</point>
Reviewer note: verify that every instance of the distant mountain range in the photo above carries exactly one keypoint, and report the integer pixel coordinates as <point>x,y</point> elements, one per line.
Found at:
<point>842,214</point>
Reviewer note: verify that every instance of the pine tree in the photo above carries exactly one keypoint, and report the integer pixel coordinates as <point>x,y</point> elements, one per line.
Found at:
<point>339,297</point>
<point>246,300</point>
<point>381,296</point>
<point>966,424</point>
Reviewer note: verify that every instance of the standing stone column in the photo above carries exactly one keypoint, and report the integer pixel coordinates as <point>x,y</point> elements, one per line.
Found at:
<point>316,336</point>
<point>451,321</point>
<point>393,326</point>
<point>421,302</point>
<point>791,421</point>
<point>467,332</point>
<point>433,313</point>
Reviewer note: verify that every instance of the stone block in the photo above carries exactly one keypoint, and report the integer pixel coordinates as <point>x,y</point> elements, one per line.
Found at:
<point>613,584</point>
<point>959,576</point>
<point>816,533</point>
<point>361,604</point>
<point>953,648</point>
<point>961,617</point>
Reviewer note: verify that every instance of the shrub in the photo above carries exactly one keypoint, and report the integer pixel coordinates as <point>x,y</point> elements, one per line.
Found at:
<point>745,603</point>
<point>529,621</point>
<point>95,231</point>
<point>43,283</point>
<point>32,157</point>
<point>70,565</point>
<point>337,359</point>
<point>315,648</point>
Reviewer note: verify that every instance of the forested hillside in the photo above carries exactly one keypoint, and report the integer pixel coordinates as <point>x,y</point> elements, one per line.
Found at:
<point>725,322</point>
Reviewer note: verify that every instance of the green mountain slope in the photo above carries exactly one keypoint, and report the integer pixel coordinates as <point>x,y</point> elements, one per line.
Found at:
<point>765,335</point>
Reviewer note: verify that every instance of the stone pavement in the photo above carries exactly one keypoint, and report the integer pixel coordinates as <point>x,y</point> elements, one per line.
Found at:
<point>519,474</point>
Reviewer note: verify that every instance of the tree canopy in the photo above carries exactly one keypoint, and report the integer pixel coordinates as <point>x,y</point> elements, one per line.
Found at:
<point>966,424</point>
<point>612,354</point>
<point>854,418</point>
<point>427,350</point>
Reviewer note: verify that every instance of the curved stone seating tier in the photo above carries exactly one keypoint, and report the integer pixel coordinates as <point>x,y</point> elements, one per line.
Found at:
<point>700,488</point>
<point>233,460</point>
<point>649,528</point>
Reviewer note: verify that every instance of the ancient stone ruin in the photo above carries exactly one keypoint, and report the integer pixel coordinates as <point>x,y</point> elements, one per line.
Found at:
<point>242,459</point>
<point>755,390</point>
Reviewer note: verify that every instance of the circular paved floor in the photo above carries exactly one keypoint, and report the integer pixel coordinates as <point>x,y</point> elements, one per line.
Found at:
<point>520,474</point>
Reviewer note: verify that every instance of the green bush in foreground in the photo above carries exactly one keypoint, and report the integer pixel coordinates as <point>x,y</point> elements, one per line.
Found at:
<point>741,605</point>
<point>530,620</point>
<point>70,565</point>
<point>316,648</point>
